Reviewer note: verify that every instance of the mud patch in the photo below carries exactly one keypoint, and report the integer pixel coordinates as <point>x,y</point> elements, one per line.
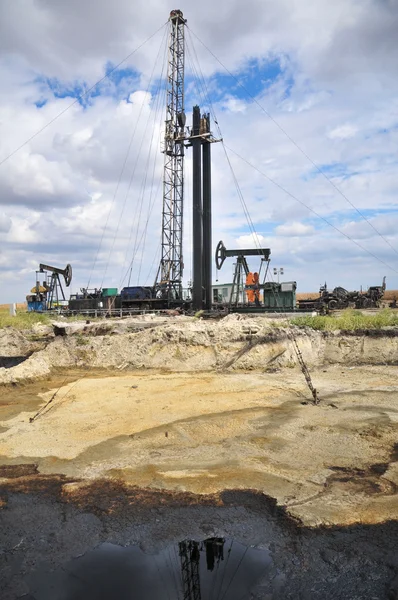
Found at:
<point>366,481</point>
<point>15,471</point>
<point>205,433</point>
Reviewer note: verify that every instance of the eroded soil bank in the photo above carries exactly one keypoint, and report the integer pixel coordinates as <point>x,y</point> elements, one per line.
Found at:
<point>235,343</point>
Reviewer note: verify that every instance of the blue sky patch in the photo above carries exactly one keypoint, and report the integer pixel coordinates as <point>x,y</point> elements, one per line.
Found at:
<point>254,78</point>
<point>119,78</point>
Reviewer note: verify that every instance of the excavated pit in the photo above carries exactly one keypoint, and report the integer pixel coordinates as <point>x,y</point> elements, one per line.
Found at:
<point>148,432</point>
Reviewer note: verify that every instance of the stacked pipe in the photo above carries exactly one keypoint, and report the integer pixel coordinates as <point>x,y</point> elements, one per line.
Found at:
<point>201,203</point>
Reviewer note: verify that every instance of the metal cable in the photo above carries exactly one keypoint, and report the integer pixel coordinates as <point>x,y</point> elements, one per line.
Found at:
<point>150,201</point>
<point>160,95</point>
<point>139,243</point>
<point>225,569</point>
<point>276,294</point>
<point>153,262</point>
<point>162,577</point>
<point>81,96</point>
<point>126,158</point>
<point>295,144</point>
<point>281,188</point>
<point>143,235</point>
<point>174,576</point>
<point>311,209</point>
<point>234,575</point>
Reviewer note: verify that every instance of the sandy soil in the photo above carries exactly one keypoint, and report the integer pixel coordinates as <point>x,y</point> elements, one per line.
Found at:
<point>207,432</point>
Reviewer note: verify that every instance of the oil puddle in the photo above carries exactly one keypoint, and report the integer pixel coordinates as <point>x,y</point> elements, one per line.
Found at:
<point>210,569</point>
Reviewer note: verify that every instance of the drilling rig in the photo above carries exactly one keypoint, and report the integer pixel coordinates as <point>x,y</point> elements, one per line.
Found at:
<point>168,283</point>
<point>167,290</point>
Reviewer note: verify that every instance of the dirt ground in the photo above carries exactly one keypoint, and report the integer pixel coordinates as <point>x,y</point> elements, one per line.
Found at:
<point>153,430</point>
<point>203,433</point>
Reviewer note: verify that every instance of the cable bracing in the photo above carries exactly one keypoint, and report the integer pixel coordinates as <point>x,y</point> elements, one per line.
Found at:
<point>81,96</point>
<point>151,202</point>
<point>123,168</point>
<point>297,146</point>
<point>203,84</point>
<point>290,333</point>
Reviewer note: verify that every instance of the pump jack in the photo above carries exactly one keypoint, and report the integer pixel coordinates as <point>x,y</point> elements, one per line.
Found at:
<point>55,290</point>
<point>251,284</point>
<point>48,295</point>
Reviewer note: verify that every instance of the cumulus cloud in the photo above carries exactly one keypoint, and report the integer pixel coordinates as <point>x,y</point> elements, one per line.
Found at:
<point>294,229</point>
<point>67,198</point>
<point>251,241</point>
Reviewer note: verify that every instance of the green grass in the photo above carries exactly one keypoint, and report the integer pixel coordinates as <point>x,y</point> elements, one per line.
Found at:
<point>23,319</point>
<point>350,320</point>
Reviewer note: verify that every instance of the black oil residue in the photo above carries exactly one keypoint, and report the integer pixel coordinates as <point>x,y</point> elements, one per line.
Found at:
<point>213,568</point>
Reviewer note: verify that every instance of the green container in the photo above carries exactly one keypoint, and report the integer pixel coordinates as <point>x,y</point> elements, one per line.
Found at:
<point>107,292</point>
<point>280,295</point>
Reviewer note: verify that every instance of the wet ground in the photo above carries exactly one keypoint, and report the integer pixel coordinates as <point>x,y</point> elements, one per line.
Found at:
<point>53,549</point>
<point>102,477</point>
<point>213,568</point>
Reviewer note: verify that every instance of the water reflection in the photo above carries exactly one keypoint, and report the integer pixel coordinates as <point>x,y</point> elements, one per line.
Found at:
<point>215,568</point>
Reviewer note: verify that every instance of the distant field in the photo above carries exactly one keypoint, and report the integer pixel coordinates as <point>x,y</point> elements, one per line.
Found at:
<point>388,296</point>
<point>20,306</point>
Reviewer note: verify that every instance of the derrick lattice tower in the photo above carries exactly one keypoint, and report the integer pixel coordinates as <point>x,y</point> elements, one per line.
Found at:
<point>169,278</point>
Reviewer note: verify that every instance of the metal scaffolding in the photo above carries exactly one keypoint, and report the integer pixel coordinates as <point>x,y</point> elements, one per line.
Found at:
<point>169,278</point>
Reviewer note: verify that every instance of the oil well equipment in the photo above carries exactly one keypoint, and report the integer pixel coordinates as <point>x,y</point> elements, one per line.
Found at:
<point>167,291</point>
<point>49,294</point>
<point>248,292</point>
<point>340,298</point>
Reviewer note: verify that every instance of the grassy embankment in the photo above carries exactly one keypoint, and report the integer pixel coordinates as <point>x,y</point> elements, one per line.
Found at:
<point>23,319</point>
<point>350,320</point>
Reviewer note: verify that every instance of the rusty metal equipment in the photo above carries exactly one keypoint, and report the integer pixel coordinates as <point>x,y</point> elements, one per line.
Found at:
<point>340,298</point>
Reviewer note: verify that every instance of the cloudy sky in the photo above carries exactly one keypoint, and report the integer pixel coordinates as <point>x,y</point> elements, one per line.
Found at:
<point>306,98</point>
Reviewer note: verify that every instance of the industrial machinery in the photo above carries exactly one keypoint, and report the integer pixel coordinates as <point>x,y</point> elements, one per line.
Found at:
<point>50,295</point>
<point>244,279</point>
<point>340,298</point>
<point>201,139</point>
<point>168,283</point>
<point>167,290</point>
<point>247,286</point>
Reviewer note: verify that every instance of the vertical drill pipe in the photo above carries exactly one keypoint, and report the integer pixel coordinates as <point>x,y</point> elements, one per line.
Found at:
<point>207,254</point>
<point>197,217</point>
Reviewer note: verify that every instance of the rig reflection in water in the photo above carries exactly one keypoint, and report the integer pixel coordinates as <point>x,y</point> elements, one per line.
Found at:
<point>189,570</point>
